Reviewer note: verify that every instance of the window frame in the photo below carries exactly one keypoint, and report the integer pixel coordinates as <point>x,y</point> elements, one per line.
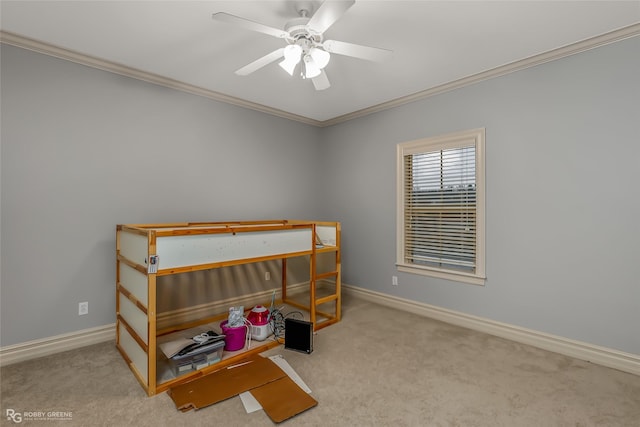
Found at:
<point>434,144</point>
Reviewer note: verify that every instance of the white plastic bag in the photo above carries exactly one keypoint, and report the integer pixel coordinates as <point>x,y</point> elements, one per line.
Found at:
<point>236,317</point>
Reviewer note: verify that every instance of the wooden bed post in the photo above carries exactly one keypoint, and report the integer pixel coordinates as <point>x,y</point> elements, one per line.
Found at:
<point>118,228</point>
<point>152,313</point>
<point>338,266</point>
<point>283,297</point>
<point>312,278</point>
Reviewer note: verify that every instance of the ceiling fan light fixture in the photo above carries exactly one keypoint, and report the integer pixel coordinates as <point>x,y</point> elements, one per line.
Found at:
<point>320,57</point>
<point>292,56</point>
<point>293,53</point>
<point>288,66</point>
<point>311,69</point>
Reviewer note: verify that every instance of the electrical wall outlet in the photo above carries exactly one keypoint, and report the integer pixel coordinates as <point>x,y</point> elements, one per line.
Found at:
<point>394,280</point>
<point>83,308</point>
<point>267,275</point>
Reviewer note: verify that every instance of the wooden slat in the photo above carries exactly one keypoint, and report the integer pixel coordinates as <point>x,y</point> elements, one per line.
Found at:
<point>326,299</point>
<point>326,248</point>
<point>324,314</point>
<point>326,275</point>
<point>133,333</point>
<point>134,229</point>
<point>124,291</point>
<point>326,323</point>
<point>141,268</point>
<point>226,228</point>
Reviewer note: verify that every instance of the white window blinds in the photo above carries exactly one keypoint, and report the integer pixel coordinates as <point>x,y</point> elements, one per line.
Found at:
<point>441,204</point>
<point>440,208</point>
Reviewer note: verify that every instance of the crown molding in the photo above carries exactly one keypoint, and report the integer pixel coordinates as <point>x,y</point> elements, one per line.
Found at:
<point>552,55</point>
<point>113,67</point>
<point>94,62</point>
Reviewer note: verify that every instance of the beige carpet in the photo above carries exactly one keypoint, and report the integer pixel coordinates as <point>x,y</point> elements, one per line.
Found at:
<point>378,367</point>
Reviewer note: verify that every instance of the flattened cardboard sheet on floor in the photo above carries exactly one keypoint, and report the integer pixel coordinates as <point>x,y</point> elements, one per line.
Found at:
<point>282,399</point>
<point>279,396</point>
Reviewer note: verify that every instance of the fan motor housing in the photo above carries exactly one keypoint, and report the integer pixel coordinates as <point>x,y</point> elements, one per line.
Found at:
<point>297,29</point>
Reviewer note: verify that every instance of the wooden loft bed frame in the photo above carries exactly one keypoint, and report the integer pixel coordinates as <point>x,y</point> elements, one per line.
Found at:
<point>147,251</point>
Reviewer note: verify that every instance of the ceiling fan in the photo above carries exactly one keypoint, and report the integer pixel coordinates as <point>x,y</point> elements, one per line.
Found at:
<point>306,49</point>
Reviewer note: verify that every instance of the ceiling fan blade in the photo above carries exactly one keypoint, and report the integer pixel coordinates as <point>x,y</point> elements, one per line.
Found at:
<point>328,13</point>
<point>249,25</point>
<point>261,62</point>
<point>357,51</point>
<point>321,82</point>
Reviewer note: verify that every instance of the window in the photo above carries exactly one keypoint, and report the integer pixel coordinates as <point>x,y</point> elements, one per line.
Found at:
<point>441,207</point>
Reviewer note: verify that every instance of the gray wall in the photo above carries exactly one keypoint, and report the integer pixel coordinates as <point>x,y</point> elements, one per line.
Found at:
<point>563,204</point>
<point>84,150</point>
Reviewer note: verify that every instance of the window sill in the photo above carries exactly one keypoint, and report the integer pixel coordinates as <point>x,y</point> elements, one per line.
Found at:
<point>440,274</point>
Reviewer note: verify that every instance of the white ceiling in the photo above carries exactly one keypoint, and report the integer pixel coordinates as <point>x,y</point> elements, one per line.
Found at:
<point>434,43</point>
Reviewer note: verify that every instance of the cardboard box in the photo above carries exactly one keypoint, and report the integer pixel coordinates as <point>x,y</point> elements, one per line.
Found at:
<point>280,397</point>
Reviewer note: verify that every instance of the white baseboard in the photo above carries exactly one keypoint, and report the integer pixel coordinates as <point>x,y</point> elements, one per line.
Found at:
<point>56,344</point>
<point>611,358</point>
<point>596,354</point>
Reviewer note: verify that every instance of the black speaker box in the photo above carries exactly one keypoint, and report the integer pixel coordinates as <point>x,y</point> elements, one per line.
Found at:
<point>298,335</point>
